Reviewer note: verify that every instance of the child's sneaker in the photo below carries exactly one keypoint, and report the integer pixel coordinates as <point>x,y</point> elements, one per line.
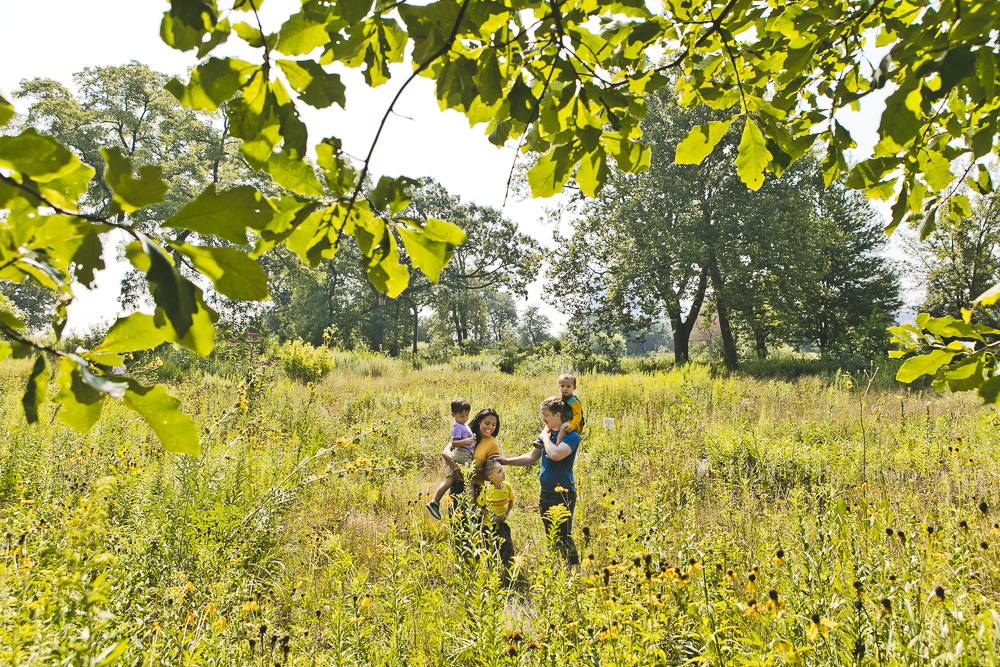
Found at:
<point>434,509</point>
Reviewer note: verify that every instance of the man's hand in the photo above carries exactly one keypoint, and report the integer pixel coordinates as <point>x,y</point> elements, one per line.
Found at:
<point>497,457</point>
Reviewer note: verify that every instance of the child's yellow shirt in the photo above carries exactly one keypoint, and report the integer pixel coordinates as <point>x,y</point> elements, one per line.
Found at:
<point>496,499</point>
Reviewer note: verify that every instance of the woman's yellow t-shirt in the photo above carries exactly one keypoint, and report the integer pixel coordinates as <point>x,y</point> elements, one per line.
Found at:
<point>485,448</point>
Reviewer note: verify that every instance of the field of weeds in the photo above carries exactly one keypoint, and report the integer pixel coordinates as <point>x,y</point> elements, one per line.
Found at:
<point>722,521</point>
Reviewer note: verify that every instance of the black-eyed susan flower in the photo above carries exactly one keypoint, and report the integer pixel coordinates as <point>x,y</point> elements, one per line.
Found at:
<point>779,556</point>
<point>511,651</point>
<point>885,608</point>
<point>751,582</point>
<point>514,637</point>
<point>984,509</point>
<point>964,525</point>
<point>939,593</point>
<point>752,607</point>
<point>774,603</point>
<point>818,627</point>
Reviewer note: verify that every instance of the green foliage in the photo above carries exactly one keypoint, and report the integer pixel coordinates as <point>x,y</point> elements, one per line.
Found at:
<point>565,81</point>
<point>304,362</point>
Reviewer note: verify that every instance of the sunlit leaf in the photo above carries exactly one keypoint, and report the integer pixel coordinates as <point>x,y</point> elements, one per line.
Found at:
<point>753,157</point>
<point>131,193</point>
<point>701,141</point>
<point>315,86</point>
<point>225,214</point>
<point>175,430</point>
<point>34,394</point>
<point>231,271</point>
<point>924,364</point>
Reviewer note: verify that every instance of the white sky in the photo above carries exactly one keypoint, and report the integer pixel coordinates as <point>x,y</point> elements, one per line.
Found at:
<point>435,143</point>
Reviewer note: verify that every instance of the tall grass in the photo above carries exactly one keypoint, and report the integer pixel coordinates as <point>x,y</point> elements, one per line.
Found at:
<point>303,520</point>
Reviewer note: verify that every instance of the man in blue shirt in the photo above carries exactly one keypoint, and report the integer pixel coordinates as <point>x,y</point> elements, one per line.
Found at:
<point>555,476</point>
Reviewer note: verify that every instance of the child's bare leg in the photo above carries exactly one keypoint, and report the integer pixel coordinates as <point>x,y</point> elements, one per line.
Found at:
<point>443,489</point>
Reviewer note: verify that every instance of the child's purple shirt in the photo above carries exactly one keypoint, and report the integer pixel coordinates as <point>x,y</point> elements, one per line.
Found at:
<point>461,432</point>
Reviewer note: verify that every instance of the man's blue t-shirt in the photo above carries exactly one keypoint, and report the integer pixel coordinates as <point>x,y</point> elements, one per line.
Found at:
<point>559,473</point>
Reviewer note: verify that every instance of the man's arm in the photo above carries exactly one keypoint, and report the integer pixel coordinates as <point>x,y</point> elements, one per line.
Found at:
<point>555,451</point>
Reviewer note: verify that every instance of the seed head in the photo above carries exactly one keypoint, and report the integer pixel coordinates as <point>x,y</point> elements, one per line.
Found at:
<point>773,594</point>
<point>983,507</point>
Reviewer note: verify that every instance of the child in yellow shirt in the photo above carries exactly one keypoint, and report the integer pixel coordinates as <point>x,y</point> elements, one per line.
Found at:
<point>497,500</point>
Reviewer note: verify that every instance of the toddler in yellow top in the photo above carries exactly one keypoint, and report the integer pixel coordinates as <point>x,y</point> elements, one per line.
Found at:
<point>567,389</point>
<point>497,496</point>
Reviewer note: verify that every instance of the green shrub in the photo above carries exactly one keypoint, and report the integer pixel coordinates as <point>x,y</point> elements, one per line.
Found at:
<point>306,363</point>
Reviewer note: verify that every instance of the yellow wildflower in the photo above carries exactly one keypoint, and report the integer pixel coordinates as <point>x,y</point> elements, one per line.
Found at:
<point>819,626</point>
<point>774,604</point>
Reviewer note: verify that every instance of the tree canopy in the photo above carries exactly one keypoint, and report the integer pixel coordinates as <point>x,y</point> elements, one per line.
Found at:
<point>564,80</point>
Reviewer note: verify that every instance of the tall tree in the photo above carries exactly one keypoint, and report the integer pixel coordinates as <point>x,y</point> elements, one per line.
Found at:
<point>842,283</point>
<point>501,313</point>
<point>126,108</point>
<point>960,261</point>
<point>534,325</point>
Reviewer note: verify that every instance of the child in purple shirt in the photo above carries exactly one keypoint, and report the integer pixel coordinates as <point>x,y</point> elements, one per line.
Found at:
<point>456,453</point>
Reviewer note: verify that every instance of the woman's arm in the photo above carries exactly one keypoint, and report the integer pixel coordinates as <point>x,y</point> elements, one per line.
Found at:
<point>522,460</point>
<point>448,458</point>
<point>555,451</point>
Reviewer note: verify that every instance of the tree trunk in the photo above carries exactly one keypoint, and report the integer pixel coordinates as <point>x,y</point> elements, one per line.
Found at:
<point>759,342</point>
<point>728,342</point>
<point>683,327</point>
<point>416,326</point>
<point>378,323</point>
<point>394,341</point>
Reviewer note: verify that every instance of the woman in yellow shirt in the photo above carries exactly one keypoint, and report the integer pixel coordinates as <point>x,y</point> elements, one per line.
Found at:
<point>485,426</point>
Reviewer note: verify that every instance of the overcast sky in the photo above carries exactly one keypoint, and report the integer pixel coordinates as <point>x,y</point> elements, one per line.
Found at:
<point>434,143</point>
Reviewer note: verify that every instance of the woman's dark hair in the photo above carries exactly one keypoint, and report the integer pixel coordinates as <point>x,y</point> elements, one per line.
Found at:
<point>478,419</point>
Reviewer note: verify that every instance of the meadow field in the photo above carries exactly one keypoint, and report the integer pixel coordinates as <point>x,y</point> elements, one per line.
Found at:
<point>723,521</point>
